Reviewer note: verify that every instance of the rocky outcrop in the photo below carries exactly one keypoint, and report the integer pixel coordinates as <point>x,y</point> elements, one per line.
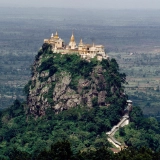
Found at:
<point>55,87</point>
<point>63,96</point>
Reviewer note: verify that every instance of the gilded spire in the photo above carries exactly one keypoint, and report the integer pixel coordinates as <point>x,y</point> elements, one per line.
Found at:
<point>56,35</point>
<point>72,38</point>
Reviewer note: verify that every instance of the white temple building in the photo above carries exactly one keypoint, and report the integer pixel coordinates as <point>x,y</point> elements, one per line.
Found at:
<point>86,51</point>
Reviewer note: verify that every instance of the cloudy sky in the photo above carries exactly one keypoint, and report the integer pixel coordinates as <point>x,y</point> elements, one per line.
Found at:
<point>108,4</point>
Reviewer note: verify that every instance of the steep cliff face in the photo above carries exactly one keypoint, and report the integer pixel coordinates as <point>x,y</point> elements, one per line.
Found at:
<point>61,82</point>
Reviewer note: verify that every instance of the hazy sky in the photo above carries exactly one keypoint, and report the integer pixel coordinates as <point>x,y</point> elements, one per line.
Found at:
<point>113,4</point>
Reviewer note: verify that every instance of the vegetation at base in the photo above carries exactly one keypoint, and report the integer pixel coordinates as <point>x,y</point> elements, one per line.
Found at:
<point>84,129</point>
<point>62,151</point>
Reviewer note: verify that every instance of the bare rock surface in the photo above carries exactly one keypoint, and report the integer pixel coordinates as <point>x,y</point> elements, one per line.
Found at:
<point>63,96</point>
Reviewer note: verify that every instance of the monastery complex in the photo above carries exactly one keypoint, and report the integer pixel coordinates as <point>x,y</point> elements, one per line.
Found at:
<point>86,51</point>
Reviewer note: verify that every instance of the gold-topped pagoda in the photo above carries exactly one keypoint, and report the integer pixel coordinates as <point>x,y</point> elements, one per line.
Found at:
<point>72,38</point>
<point>56,35</point>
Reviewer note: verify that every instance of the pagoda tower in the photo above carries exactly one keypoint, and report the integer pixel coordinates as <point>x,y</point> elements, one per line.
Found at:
<point>72,43</point>
<point>80,46</point>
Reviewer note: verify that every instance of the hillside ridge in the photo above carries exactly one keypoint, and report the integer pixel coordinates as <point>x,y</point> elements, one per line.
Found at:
<point>62,81</point>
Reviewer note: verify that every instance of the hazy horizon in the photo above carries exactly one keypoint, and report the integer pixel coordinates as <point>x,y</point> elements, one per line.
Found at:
<point>87,4</point>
